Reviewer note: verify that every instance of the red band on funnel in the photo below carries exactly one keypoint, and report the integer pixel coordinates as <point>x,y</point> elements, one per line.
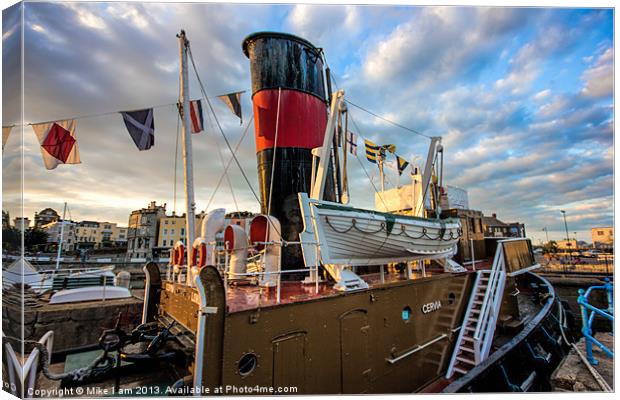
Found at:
<point>302,121</point>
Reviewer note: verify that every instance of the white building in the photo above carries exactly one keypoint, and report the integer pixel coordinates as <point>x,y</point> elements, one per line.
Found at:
<point>21,223</point>
<point>68,235</point>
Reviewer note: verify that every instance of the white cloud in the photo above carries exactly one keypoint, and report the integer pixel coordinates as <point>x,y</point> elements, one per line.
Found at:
<point>543,94</point>
<point>86,17</point>
<point>599,78</point>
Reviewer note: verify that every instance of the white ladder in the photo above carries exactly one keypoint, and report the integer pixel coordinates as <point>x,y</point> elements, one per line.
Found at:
<point>476,334</point>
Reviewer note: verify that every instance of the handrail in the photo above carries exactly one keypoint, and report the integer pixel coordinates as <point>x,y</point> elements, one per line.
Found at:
<point>490,306</point>
<point>29,368</point>
<point>462,328</point>
<point>484,311</point>
<point>257,259</point>
<point>587,320</point>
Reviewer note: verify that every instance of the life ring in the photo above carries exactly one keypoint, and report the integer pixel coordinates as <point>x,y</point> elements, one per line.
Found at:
<point>199,255</point>
<point>179,255</point>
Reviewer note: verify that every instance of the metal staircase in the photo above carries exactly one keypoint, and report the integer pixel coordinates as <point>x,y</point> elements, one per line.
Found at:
<point>476,333</point>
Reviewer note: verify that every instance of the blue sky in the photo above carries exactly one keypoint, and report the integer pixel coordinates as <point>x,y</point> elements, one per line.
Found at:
<point>523,98</point>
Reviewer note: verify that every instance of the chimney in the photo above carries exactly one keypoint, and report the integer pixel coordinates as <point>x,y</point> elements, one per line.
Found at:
<point>494,215</point>
<point>287,89</point>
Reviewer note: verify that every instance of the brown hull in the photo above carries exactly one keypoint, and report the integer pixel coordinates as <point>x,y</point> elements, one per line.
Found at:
<point>349,343</point>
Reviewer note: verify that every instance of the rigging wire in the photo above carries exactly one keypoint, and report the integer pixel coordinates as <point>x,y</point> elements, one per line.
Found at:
<point>273,160</point>
<point>364,168</point>
<point>92,115</point>
<point>370,112</point>
<point>219,182</point>
<point>219,151</point>
<point>359,132</point>
<point>387,120</point>
<point>245,177</point>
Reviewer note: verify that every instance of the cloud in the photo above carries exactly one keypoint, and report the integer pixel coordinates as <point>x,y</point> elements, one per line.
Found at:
<point>599,78</point>
<point>523,137</point>
<point>439,44</point>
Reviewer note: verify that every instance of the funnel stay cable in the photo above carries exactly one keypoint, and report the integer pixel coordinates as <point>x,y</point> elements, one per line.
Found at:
<point>204,93</point>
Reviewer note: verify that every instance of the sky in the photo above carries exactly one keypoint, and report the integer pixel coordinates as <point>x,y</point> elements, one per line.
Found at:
<point>522,97</point>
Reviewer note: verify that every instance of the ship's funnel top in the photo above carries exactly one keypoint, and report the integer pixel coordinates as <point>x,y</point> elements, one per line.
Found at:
<point>281,60</point>
<point>290,117</point>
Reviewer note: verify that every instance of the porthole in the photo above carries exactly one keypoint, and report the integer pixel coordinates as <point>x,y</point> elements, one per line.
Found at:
<point>406,314</point>
<point>247,364</point>
<point>451,298</point>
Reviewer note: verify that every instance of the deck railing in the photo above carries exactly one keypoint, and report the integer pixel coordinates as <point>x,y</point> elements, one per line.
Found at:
<point>588,312</point>
<point>258,260</point>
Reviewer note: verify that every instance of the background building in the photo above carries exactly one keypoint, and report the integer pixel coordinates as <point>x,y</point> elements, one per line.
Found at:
<point>45,216</point>
<point>120,235</point>
<point>98,235</point>
<point>603,238</point>
<point>567,244</point>
<point>172,229</point>
<point>143,230</point>
<point>21,223</point>
<point>68,235</point>
<point>86,234</point>
<point>494,228</point>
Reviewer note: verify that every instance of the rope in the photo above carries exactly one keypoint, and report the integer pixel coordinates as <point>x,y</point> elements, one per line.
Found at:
<point>204,93</point>
<point>441,235</point>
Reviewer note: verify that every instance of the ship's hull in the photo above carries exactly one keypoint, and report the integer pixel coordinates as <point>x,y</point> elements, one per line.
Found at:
<point>392,338</point>
<point>395,338</point>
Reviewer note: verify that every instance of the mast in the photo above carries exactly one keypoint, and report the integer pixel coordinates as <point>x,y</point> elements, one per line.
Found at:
<point>188,169</point>
<point>62,231</point>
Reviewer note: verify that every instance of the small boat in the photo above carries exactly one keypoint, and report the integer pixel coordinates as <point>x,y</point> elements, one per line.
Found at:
<point>355,237</point>
<point>90,293</point>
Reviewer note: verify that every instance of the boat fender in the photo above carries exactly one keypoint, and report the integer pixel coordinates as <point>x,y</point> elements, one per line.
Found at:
<point>178,257</point>
<point>199,253</point>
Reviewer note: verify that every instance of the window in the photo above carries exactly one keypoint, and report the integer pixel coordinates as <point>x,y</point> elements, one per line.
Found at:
<point>182,231</point>
<point>163,243</point>
<point>600,233</point>
<point>172,231</point>
<point>247,364</point>
<point>165,231</point>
